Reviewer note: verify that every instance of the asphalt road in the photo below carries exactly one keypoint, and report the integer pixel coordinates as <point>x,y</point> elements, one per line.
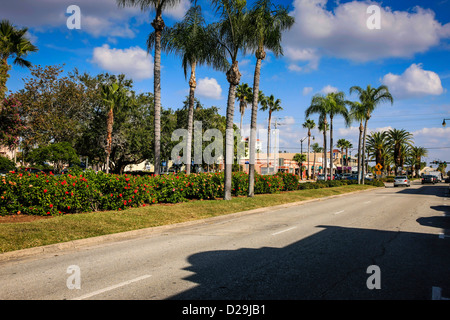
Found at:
<point>319,250</point>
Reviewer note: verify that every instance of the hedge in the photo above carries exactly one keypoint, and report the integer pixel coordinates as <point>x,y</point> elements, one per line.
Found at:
<point>78,191</point>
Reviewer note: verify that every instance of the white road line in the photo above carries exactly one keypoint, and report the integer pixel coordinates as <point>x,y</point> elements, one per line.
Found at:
<point>367,202</point>
<point>112,287</point>
<point>339,212</point>
<point>274,234</point>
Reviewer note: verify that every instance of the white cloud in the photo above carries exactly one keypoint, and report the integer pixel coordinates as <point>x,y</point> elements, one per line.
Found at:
<point>343,32</point>
<point>179,10</point>
<point>329,89</point>
<point>414,82</point>
<point>209,88</point>
<point>307,90</point>
<point>134,62</point>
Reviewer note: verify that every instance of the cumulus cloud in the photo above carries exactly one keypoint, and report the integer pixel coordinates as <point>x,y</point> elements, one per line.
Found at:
<point>134,62</point>
<point>414,82</point>
<point>343,32</point>
<point>179,10</point>
<point>209,88</point>
<point>307,90</point>
<point>329,89</point>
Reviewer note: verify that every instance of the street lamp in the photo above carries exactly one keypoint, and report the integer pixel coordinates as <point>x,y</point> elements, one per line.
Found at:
<point>443,122</point>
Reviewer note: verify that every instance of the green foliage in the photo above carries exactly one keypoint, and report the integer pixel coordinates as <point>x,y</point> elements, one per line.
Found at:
<point>6,164</point>
<point>57,153</point>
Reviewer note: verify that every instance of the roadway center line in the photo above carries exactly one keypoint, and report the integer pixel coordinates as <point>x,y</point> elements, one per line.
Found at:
<point>112,287</point>
<point>274,234</point>
<point>339,212</point>
<point>367,202</point>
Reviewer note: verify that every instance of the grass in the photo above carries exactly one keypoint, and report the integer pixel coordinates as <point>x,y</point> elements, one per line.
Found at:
<point>16,236</point>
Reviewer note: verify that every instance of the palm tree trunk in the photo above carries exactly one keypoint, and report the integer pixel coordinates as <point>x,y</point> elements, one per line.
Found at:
<point>252,147</point>
<point>109,129</point>
<point>359,151</point>
<point>325,150</point>
<point>331,147</point>
<point>158,24</point>
<point>268,141</point>
<point>309,143</point>
<point>314,165</point>
<point>233,77</point>
<point>192,86</point>
<point>364,152</point>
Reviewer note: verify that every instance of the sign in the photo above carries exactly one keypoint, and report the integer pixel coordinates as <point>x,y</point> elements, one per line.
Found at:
<point>378,167</point>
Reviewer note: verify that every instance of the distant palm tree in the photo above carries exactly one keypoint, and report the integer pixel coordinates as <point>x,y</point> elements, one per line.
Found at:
<point>417,153</point>
<point>244,94</point>
<point>316,149</point>
<point>358,112</point>
<point>370,98</point>
<point>309,124</point>
<point>299,158</point>
<point>158,25</point>
<point>267,25</point>
<point>13,44</point>
<point>377,146</point>
<point>399,141</point>
<point>273,105</point>
<point>192,40</point>
<point>320,105</point>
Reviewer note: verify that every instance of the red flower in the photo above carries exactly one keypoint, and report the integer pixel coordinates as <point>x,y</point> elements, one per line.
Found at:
<point>68,207</point>
<point>120,195</point>
<point>111,194</point>
<point>135,191</point>
<point>73,184</point>
<point>45,190</point>
<point>51,206</point>
<point>48,213</point>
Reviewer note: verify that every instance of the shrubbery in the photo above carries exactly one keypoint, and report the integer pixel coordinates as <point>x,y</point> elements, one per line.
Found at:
<point>78,191</point>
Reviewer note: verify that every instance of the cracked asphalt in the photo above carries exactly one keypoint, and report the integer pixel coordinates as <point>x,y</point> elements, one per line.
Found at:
<point>318,250</point>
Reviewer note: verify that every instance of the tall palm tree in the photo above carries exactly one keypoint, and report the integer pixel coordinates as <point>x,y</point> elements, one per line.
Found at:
<point>231,33</point>
<point>309,124</point>
<point>337,106</point>
<point>370,99</point>
<point>341,143</point>
<point>320,105</point>
<point>417,153</point>
<point>13,44</point>
<point>272,105</point>
<point>377,146</point>
<point>192,40</point>
<point>268,22</point>
<point>158,25</point>
<point>316,149</point>
<point>399,141</point>
<point>244,94</point>
<point>358,113</point>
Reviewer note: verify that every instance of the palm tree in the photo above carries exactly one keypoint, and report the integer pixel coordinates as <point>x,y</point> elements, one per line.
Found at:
<point>192,40</point>
<point>309,124</point>
<point>377,146</point>
<point>299,158</point>
<point>341,145</point>
<point>316,149</point>
<point>370,98</point>
<point>158,25</point>
<point>398,141</point>
<point>337,106</point>
<point>231,33</point>
<point>273,105</point>
<point>268,22</point>
<point>320,105</point>
<point>114,96</point>
<point>244,94</point>
<point>13,44</point>
<point>358,113</point>
<point>417,153</point>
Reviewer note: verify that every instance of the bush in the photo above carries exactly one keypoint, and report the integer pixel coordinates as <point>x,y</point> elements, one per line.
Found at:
<point>6,164</point>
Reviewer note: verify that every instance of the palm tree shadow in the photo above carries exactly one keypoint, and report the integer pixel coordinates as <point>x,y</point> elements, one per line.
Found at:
<point>330,264</point>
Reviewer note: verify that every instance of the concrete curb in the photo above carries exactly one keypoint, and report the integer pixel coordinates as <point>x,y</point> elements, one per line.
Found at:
<point>129,235</point>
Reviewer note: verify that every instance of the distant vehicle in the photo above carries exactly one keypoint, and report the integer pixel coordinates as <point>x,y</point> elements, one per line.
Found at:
<point>437,174</point>
<point>428,178</point>
<point>321,176</point>
<point>401,181</point>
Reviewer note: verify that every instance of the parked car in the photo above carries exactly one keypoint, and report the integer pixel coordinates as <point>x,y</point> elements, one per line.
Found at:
<point>321,177</point>
<point>428,178</point>
<point>401,181</point>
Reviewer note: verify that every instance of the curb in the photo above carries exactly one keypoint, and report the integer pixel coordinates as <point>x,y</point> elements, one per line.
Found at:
<point>129,235</point>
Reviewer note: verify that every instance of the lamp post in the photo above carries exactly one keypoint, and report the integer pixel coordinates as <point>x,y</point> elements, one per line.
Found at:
<point>301,151</point>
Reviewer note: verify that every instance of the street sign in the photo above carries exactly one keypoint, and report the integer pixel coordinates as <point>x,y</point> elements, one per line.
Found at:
<point>378,167</point>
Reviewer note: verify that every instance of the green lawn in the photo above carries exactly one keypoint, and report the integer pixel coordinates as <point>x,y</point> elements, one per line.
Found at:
<point>16,236</point>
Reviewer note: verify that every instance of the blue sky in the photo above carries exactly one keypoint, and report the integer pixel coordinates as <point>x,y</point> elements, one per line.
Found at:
<point>329,48</point>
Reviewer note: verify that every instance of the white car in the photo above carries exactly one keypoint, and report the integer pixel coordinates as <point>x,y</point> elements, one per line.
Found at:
<point>401,181</point>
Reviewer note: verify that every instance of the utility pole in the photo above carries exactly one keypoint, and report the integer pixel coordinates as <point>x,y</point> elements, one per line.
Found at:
<point>275,151</point>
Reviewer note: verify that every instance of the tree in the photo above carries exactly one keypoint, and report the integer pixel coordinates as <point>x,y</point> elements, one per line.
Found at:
<point>320,105</point>
<point>59,154</point>
<point>231,33</point>
<point>370,98</point>
<point>268,22</point>
<point>158,25</point>
<point>398,141</point>
<point>272,105</point>
<point>299,158</point>
<point>417,153</point>
<point>337,106</point>
<point>13,44</point>
<point>377,146</point>
<point>309,124</point>
<point>316,149</point>
<point>11,124</point>
<point>244,95</point>
<point>194,42</point>
<point>358,113</point>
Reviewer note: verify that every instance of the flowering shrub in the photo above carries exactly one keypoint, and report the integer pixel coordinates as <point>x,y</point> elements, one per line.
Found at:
<point>78,191</point>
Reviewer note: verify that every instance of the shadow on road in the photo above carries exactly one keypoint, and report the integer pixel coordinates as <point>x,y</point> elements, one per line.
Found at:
<point>330,264</point>
<point>438,190</point>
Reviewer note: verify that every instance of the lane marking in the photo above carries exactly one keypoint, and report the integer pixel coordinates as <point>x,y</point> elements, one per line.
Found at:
<point>285,230</point>
<point>367,202</point>
<point>112,287</point>
<point>339,212</point>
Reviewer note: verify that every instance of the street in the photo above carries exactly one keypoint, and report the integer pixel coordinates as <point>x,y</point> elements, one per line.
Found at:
<point>386,243</point>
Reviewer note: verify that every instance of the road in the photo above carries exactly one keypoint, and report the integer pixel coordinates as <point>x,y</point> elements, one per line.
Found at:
<point>317,250</point>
